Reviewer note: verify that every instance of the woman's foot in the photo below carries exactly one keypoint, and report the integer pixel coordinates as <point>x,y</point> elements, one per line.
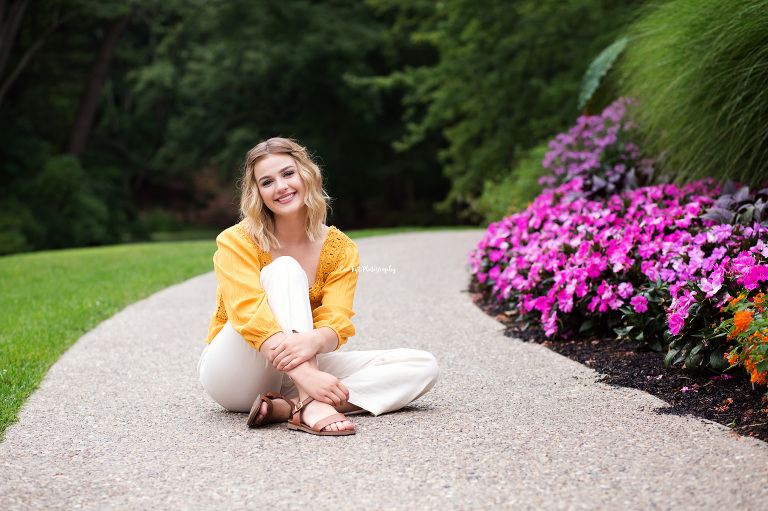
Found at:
<point>269,408</point>
<point>281,410</point>
<point>315,411</point>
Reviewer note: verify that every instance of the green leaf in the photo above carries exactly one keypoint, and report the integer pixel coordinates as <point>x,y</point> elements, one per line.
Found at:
<point>670,357</point>
<point>597,69</point>
<point>586,326</point>
<point>721,216</point>
<point>762,366</point>
<point>716,360</point>
<point>693,362</point>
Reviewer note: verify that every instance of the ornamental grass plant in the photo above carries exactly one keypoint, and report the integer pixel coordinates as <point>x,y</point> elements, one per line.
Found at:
<point>700,68</point>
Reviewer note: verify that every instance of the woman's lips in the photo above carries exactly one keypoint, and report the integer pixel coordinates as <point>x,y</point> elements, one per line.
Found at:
<point>288,197</point>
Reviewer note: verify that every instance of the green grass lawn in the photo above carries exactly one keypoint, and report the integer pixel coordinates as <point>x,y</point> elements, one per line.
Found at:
<point>49,299</point>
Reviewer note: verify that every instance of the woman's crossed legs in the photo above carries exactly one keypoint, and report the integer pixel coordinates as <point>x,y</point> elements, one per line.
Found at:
<point>234,373</point>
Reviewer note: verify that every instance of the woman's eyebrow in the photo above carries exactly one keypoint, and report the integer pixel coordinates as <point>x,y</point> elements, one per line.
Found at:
<point>281,170</point>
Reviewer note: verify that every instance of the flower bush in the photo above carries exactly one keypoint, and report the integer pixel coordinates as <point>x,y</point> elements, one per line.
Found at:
<point>748,328</point>
<point>600,151</point>
<point>645,261</point>
<point>576,263</point>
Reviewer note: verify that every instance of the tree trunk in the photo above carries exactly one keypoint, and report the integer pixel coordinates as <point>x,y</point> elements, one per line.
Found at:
<point>8,29</point>
<point>81,128</point>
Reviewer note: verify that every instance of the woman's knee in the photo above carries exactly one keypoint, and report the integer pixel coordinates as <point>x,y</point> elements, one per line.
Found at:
<point>283,265</point>
<point>284,270</point>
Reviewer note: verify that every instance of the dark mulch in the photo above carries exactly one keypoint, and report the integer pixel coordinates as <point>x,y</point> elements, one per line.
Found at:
<point>731,402</point>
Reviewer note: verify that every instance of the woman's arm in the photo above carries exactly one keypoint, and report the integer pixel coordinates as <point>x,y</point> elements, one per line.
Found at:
<point>238,274</point>
<point>286,352</point>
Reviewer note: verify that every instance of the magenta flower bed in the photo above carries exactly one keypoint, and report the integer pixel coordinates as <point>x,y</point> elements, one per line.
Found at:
<point>588,255</point>
<point>642,261</point>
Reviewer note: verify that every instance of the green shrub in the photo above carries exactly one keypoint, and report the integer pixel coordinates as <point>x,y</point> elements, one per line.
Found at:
<point>699,69</point>
<point>516,189</point>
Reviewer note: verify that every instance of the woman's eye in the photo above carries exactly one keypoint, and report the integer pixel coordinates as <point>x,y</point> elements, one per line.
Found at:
<point>266,183</point>
<point>288,173</point>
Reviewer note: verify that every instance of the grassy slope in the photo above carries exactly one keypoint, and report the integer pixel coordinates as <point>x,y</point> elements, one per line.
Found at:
<point>49,299</point>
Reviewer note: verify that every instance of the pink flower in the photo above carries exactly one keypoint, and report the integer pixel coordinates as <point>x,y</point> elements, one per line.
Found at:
<point>625,290</point>
<point>676,322</point>
<point>640,303</point>
<point>710,286</point>
<point>496,255</point>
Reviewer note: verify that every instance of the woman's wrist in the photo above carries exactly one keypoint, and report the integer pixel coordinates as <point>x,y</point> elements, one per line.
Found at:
<point>300,370</point>
<point>328,341</point>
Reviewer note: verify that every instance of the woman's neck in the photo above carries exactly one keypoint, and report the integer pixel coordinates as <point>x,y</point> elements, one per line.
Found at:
<point>290,231</point>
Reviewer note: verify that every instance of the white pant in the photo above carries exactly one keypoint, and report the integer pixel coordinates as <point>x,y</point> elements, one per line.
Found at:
<point>234,373</point>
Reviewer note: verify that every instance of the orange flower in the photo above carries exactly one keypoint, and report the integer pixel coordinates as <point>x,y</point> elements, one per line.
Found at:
<point>734,301</point>
<point>741,321</point>
<point>759,378</point>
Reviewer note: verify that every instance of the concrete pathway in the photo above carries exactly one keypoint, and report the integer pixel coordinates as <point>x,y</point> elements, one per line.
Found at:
<point>121,422</point>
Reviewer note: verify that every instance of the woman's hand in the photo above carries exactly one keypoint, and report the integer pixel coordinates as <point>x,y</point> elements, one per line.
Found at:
<point>294,349</point>
<point>324,387</point>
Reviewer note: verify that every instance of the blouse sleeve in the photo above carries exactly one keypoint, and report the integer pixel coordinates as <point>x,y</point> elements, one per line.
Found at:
<point>335,310</point>
<point>237,271</point>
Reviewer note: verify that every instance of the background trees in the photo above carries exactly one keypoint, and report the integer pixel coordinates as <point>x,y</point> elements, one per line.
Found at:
<point>506,78</point>
<point>117,118</point>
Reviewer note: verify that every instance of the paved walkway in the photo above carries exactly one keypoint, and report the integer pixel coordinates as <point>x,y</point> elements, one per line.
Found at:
<point>122,422</point>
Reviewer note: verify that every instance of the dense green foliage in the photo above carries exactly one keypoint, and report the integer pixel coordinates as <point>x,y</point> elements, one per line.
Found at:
<point>117,115</point>
<point>699,69</point>
<point>516,189</point>
<point>507,77</point>
<point>191,85</point>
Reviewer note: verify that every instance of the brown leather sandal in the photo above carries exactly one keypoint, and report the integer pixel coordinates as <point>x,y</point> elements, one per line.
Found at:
<point>297,424</point>
<point>253,417</point>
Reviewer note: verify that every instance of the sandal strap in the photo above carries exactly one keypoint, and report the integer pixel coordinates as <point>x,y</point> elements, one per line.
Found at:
<point>336,417</point>
<point>275,395</point>
<point>298,407</point>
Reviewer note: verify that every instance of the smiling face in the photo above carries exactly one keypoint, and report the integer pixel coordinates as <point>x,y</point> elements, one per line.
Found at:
<point>280,184</point>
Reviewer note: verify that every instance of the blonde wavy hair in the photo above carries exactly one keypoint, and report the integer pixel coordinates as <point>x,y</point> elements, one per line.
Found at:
<point>259,220</point>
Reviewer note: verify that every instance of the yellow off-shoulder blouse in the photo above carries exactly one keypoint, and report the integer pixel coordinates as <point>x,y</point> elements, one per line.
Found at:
<point>241,300</point>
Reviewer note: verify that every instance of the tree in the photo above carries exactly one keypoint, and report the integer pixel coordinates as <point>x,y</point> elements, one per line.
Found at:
<point>506,78</point>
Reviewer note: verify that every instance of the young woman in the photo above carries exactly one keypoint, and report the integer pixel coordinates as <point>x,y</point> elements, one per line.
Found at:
<point>286,282</point>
